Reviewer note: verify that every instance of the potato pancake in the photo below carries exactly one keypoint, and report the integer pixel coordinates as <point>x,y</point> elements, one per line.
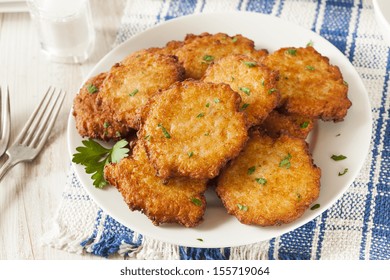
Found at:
<point>131,83</point>
<point>273,181</point>
<point>192,129</point>
<point>278,123</point>
<point>309,86</point>
<point>255,83</point>
<point>91,119</point>
<point>180,200</point>
<point>198,51</point>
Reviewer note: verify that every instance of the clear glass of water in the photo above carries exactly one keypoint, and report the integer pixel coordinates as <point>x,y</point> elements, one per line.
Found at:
<point>65,29</point>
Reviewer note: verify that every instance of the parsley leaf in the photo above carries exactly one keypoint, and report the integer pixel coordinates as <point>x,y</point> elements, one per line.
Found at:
<point>292,52</point>
<point>196,201</point>
<point>338,157</point>
<point>261,181</point>
<point>164,131</point>
<point>242,207</point>
<point>92,88</point>
<point>251,170</point>
<point>285,162</point>
<point>250,63</point>
<point>95,157</point>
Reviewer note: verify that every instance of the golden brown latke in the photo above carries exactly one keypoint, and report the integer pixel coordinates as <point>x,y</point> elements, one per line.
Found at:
<point>255,83</point>
<point>198,51</point>
<point>278,123</point>
<point>91,119</point>
<point>180,200</point>
<point>309,85</point>
<point>192,129</point>
<point>131,83</point>
<point>273,181</point>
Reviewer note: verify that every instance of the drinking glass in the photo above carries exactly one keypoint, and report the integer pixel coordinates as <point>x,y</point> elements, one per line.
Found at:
<point>65,29</point>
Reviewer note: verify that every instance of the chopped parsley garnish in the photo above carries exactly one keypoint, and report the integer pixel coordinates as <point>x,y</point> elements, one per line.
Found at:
<point>250,63</point>
<point>261,181</point>
<point>134,92</point>
<point>251,170</point>
<point>242,207</point>
<point>208,58</point>
<point>216,100</point>
<point>190,154</point>
<point>315,206</point>
<point>345,83</point>
<point>245,90</point>
<point>262,82</point>
<point>272,90</point>
<point>234,39</point>
<point>310,67</point>
<point>292,52</point>
<point>338,157</point>
<point>147,137</point>
<point>196,201</point>
<point>92,89</point>
<point>106,124</point>
<point>207,134</point>
<point>310,43</point>
<point>285,162</point>
<point>299,197</point>
<point>304,124</point>
<point>200,239</point>
<point>164,131</point>
<point>207,105</point>
<point>200,115</point>
<point>95,157</point>
<point>344,172</point>
<point>244,106</point>
<point>117,134</point>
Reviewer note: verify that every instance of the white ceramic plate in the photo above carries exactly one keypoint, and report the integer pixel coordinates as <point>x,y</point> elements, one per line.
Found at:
<point>350,137</point>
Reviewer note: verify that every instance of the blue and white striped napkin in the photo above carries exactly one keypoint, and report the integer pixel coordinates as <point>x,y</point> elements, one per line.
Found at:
<point>356,227</point>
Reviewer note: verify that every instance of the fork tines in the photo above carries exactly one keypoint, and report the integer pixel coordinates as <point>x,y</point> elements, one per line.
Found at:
<point>37,128</point>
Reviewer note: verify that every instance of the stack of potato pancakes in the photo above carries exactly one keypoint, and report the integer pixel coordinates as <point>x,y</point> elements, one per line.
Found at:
<point>213,111</point>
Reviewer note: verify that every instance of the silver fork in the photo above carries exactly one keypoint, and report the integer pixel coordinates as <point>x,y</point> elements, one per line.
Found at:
<point>34,134</point>
<point>5,121</point>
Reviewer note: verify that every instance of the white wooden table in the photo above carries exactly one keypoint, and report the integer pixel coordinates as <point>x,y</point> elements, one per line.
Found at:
<point>30,193</point>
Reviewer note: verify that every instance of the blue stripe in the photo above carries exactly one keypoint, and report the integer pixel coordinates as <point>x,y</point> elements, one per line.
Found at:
<point>261,6</point>
<point>316,16</point>
<point>336,31</point>
<point>158,17</point>
<point>271,249</point>
<point>189,253</point>
<point>297,244</point>
<point>380,216</point>
<point>280,8</point>
<point>239,6</point>
<point>180,8</point>
<point>354,33</point>
<point>321,235</point>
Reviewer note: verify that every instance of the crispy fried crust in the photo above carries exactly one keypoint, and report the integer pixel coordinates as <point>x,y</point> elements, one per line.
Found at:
<point>193,128</point>
<point>180,200</point>
<point>263,186</point>
<point>91,119</point>
<point>278,123</point>
<point>309,85</point>
<point>131,83</point>
<point>255,83</point>
<point>198,51</point>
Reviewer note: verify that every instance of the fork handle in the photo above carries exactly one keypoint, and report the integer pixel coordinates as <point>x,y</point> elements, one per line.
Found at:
<point>8,164</point>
